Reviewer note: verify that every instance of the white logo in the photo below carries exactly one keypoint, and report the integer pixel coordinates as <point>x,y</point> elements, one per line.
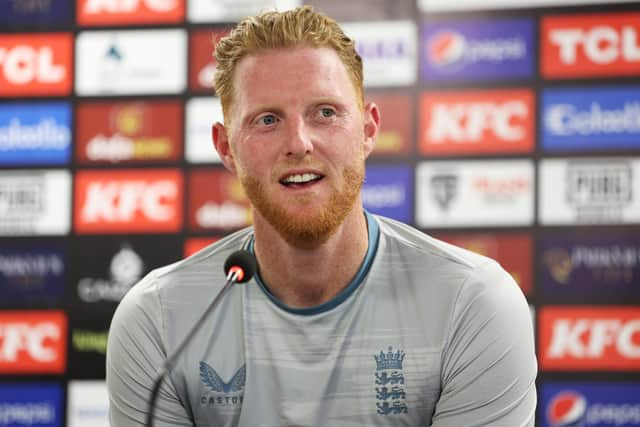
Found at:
<point>31,339</point>
<point>121,201</point>
<point>468,122</point>
<point>602,45</point>
<point>588,339</point>
<point>124,6</point>
<point>24,65</point>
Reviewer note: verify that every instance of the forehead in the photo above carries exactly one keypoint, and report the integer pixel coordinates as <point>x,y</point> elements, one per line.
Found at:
<point>287,74</point>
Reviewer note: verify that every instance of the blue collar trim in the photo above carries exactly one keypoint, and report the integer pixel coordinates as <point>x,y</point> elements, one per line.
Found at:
<point>374,235</point>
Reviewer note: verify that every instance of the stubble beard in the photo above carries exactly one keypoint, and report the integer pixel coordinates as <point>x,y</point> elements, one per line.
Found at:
<point>312,230</point>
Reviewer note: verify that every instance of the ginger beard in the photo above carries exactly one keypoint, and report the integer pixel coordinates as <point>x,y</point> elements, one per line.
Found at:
<point>313,230</point>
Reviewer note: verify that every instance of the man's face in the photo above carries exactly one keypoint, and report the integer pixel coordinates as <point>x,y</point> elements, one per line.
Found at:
<point>298,140</point>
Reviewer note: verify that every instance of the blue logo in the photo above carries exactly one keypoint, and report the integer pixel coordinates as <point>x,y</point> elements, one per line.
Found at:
<point>31,13</point>
<point>388,191</point>
<point>35,134</point>
<point>389,380</point>
<point>590,119</point>
<point>590,405</point>
<point>30,405</point>
<point>477,50</point>
<point>226,393</point>
<point>596,266</point>
<point>31,273</point>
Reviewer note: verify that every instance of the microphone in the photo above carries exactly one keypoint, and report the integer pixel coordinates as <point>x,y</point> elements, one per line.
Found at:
<point>239,267</point>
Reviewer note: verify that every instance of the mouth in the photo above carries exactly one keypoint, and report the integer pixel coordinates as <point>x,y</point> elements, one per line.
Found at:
<point>299,180</point>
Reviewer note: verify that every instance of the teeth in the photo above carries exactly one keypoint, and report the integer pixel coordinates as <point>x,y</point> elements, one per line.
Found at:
<point>301,178</point>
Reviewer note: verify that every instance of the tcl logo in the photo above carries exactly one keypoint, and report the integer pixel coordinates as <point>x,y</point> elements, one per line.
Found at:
<point>590,45</point>
<point>35,64</point>
<point>33,342</point>
<point>590,338</point>
<point>128,200</point>
<point>493,121</point>
<point>117,12</point>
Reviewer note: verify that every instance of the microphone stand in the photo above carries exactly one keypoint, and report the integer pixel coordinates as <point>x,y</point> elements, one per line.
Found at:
<point>232,277</point>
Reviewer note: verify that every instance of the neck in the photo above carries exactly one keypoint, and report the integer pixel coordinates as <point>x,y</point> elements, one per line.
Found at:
<point>302,278</point>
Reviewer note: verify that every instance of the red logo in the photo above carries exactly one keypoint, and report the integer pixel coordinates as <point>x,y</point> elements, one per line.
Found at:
<point>202,64</point>
<point>395,134</point>
<point>590,45</point>
<point>36,64</point>
<point>128,132</point>
<point>138,201</point>
<point>120,12</point>
<point>566,409</point>
<point>446,47</point>
<point>477,122</point>
<point>513,251</point>
<point>33,342</point>
<point>590,338</point>
<point>217,201</point>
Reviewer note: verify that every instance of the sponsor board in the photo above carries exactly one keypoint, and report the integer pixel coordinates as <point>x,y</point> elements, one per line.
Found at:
<point>514,251</point>
<point>35,133</point>
<point>88,348</point>
<point>474,193</point>
<point>395,134</point>
<point>202,63</point>
<point>590,404</point>
<point>580,119</point>
<point>388,191</point>
<point>127,12</point>
<point>31,404</point>
<point>475,50</point>
<point>233,10</point>
<point>217,201</point>
<point>194,244</point>
<point>477,122</point>
<point>32,273</point>
<point>34,13</point>
<point>129,132</point>
<point>36,64</point>
<point>128,201</point>
<point>127,62</point>
<point>201,114</point>
<point>110,267</point>
<point>580,191</point>
<point>35,202</point>
<point>388,50</point>
<point>87,404</point>
<point>467,5</point>
<point>33,342</point>
<point>589,338</point>
<point>592,267</point>
<point>590,45</point>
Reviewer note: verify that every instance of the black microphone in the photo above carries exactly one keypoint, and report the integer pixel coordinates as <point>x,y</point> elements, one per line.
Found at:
<point>239,267</point>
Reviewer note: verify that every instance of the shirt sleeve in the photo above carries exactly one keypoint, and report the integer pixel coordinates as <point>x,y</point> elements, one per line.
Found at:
<point>489,364</point>
<point>135,353</point>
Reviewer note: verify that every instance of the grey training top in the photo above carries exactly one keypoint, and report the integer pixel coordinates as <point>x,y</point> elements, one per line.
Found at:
<point>425,334</point>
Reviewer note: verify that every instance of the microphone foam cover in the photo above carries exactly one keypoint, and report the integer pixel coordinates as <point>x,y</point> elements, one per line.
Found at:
<point>244,260</point>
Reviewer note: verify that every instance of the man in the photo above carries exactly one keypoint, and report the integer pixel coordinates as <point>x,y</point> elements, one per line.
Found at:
<point>352,319</point>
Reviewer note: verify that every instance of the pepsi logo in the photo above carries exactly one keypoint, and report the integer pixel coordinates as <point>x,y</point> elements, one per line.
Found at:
<point>566,409</point>
<point>445,48</point>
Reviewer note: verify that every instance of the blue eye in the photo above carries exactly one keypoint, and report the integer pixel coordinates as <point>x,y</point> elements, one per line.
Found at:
<point>267,120</point>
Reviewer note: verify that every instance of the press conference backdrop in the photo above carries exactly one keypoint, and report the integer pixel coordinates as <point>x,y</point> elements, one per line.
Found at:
<point>509,127</point>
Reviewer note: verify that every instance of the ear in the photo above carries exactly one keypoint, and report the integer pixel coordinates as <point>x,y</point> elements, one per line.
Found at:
<point>371,127</point>
<point>221,144</point>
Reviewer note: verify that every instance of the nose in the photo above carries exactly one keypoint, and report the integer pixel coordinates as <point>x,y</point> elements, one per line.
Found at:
<point>299,142</point>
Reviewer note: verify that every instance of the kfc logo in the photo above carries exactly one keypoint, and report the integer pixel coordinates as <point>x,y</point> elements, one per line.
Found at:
<point>38,64</point>
<point>118,12</point>
<point>590,45</point>
<point>477,122</point>
<point>128,200</point>
<point>590,338</point>
<point>33,342</point>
